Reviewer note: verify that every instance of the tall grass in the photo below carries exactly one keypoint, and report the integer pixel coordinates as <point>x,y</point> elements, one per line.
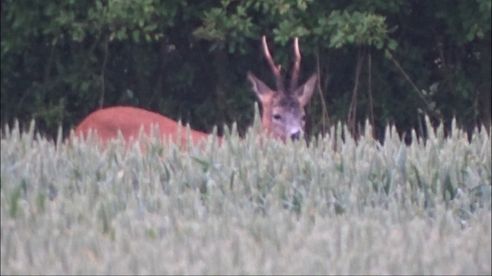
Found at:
<point>247,206</point>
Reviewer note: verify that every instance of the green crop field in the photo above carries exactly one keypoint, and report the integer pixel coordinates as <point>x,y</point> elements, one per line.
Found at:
<point>247,206</point>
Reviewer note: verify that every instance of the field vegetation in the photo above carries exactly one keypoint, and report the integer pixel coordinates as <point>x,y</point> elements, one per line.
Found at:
<point>247,206</point>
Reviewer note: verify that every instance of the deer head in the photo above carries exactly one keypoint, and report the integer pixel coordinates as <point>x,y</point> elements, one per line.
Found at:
<point>283,108</point>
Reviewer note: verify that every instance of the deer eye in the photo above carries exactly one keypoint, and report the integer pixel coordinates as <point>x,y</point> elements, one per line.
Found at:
<point>277,116</point>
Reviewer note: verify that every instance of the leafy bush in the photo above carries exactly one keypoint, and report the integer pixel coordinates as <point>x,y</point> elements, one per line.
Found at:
<point>188,59</point>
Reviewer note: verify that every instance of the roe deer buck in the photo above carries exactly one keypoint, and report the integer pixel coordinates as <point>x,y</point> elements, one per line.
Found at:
<point>282,110</point>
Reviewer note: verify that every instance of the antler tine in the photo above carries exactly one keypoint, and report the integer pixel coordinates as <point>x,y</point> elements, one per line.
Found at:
<point>297,63</point>
<point>275,68</point>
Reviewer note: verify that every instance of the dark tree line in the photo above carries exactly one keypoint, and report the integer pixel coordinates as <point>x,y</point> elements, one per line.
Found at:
<point>382,61</point>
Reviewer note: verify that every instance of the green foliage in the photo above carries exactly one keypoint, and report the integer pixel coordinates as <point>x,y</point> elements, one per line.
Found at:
<point>248,206</point>
<point>355,28</point>
<point>225,29</point>
<point>188,59</point>
<point>471,21</point>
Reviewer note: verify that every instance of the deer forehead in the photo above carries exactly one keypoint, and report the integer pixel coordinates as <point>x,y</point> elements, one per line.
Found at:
<point>287,105</point>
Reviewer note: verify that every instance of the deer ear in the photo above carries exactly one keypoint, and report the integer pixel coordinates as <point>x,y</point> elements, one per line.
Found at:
<point>262,91</point>
<point>305,91</point>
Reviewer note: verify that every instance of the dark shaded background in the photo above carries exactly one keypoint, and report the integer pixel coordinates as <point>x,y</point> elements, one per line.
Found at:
<point>385,61</point>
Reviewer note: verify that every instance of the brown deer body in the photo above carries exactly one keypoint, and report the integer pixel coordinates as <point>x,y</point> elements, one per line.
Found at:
<point>128,120</point>
<point>282,110</point>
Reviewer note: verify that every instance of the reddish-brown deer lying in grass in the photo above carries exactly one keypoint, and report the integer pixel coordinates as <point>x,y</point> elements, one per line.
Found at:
<point>282,110</point>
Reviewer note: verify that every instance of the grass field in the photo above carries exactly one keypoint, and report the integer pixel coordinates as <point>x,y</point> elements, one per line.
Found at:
<point>247,207</point>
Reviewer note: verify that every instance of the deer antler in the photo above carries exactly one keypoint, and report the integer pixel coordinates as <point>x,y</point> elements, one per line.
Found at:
<point>295,69</point>
<point>275,68</point>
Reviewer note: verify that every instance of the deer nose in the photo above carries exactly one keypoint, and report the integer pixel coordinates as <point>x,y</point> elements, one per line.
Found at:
<point>296,135</point>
